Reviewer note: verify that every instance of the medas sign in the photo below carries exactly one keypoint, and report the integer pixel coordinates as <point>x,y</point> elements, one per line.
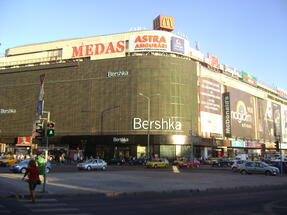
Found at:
<point>98,49</point>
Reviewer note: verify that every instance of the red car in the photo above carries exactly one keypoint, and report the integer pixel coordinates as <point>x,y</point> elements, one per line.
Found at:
<point>194,163</point>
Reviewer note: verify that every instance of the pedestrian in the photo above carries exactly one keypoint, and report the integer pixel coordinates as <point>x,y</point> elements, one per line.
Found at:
<point>33,178</point>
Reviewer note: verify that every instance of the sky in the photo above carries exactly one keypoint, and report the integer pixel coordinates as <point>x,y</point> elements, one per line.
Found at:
<point>249,35</point>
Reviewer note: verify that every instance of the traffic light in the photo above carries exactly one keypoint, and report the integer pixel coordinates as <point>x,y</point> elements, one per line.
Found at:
<point>40,130</point>
<point>277,145</point>
<point>50,129</point>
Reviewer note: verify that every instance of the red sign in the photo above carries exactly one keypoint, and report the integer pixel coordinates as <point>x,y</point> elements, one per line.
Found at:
<point>214,59</point>
<point>252,145</point>
<point>24,140</point>
<point>163,23</point>
<point>150,41</point>
<point>282,93</point>
<point>98,49</point>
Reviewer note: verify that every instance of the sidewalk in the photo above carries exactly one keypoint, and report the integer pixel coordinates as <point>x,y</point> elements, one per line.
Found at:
<point>114,183</point>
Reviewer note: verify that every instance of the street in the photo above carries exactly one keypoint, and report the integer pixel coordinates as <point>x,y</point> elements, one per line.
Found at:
<point>140,190</point>
<point>249,202</point>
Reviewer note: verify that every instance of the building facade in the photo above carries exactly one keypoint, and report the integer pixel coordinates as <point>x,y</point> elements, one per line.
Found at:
<point>107,94</point>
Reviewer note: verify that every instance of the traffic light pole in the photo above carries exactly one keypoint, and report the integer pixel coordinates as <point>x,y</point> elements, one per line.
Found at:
<point>47,149</point>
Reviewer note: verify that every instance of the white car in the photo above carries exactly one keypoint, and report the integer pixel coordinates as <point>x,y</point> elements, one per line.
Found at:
<point>93,164</point>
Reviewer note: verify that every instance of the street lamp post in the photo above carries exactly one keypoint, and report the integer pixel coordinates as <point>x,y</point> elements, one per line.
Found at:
<point>148,118</point>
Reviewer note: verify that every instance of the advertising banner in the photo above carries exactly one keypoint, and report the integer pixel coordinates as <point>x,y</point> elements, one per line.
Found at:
<point>158,41</point>
<point>237,143</point>
<point>277,119</point>
<point>269,120</point>
<point>210,106</point>
<point>177,45</point>
<point>250,79</point>
<point>284,123</point>
<point>242,113</point>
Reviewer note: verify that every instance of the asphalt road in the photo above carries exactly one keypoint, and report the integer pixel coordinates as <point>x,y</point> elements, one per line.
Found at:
<point>250,202</point>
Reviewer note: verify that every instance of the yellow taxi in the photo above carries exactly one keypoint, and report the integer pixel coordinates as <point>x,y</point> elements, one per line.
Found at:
<point>157,163</point>
<point>7,161</point>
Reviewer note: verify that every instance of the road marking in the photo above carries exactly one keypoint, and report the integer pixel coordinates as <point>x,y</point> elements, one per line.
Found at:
<point>38,200</point>
<point>175,169</point>
<point>55,209</point>
<point>76,214</point>
<point>4,212</point>
<point>90,189</point>
<point>32,205</point>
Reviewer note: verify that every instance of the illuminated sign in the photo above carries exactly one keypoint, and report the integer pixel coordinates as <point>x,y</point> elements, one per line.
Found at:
<point>163,23</point>
<point>162,124</point>
<point>7,111</point>
<point>118,74</point>
<point>120,139</point>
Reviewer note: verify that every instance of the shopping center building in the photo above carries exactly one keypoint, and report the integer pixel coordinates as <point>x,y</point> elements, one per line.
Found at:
<point>118,95</point>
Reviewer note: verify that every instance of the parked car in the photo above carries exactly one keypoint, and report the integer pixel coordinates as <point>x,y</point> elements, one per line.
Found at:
<point>7,161</point>
<point>236,164</point>
<point>258,167</point>
<point>157,163</point>
<point>188,164</point>
<point>278,165</point>
<point>117,161</point>
<point>93,164</point>
<point>22,166</point>
<point>209,161</point>
<point>137,161</point>
<point>221,162</point>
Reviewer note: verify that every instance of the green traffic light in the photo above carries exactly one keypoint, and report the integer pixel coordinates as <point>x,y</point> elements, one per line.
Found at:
<point>51,132</point>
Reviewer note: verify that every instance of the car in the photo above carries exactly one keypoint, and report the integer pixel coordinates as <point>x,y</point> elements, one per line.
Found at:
<point>221,162</point>
<point>22,166</point>
<point>7,161</point>
<point>137,161</point>
<point>278,165</point>
<point>93,164</point>
<point>209,161</point>
<point>117,161</point>
<point>258,167</point>
<point>157,163</point>
<point>188,164</point>
<point>236,164</point>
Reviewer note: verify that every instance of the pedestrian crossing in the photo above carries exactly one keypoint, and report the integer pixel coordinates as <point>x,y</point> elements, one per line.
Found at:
<point>50,206</point>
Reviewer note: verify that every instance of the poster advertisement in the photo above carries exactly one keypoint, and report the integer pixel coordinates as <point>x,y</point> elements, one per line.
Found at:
<point>284,123</point>
<point>210,107</point>
<point>242,114</point>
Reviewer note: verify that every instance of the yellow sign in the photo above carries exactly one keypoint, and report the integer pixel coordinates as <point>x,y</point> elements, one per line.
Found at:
<point>163,22</point>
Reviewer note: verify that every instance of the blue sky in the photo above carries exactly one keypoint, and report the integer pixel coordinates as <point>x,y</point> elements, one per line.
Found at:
<point>250,35</point>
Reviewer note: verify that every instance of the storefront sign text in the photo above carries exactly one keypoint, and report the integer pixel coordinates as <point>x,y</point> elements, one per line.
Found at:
<point>139,124</point>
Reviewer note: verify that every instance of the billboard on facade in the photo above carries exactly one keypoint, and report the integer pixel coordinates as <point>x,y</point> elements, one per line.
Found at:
<point>242,113</point>
<point>269,120</point>
<point>210,106</point>
<point>284,123</point>
<point>158,41</point>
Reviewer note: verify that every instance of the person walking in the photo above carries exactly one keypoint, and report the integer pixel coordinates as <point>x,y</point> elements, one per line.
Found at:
<point>33,178</point>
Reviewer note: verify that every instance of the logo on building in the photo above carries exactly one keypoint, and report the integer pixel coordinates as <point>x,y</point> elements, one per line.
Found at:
<point>226,114</point>
<point>163,22</point>
<point>177,45</point>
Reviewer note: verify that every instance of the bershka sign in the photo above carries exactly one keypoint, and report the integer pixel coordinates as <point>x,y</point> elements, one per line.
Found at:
<point>98,49</point>
<point>139,124</point>
<point>226,114</point>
